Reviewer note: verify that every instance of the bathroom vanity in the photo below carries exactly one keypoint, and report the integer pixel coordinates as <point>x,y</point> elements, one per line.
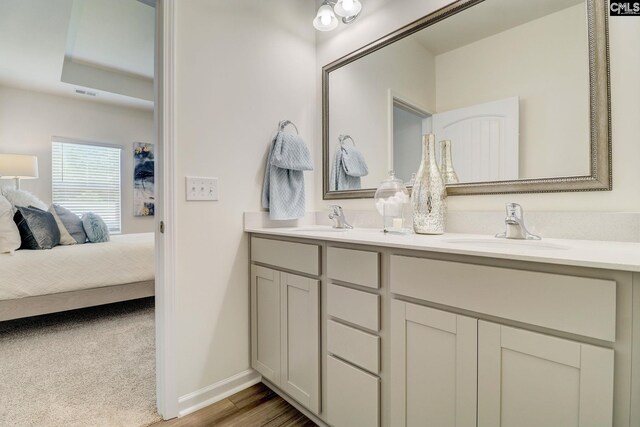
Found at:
<point>366,329</point>
<point>360,328</point>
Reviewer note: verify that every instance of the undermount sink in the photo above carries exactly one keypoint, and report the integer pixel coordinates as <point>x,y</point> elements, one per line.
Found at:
<point>322,228</point>
<point>505,243</point>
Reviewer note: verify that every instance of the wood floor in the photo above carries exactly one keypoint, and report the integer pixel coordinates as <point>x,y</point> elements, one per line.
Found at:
<point>257,406</point>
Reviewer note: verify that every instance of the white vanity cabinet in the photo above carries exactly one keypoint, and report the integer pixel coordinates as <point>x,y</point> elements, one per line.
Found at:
<point>443,363</point>
<point>285,323</point>
<point>373,336</point>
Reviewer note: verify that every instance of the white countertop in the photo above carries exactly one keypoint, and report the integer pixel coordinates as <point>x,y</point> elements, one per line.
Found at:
<point>622,256</point>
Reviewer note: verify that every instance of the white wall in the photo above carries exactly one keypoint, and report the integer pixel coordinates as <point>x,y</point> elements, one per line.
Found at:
<point>28,121</point>
<point>543,62</point>
<point>360,103</point>
<point>389,15</point>
<point>241,66</point>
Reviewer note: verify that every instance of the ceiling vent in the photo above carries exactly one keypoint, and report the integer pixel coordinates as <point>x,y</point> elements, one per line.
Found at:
<point>86,92</point>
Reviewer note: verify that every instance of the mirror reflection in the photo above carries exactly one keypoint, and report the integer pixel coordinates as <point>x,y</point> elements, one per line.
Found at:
<point>505,81</point>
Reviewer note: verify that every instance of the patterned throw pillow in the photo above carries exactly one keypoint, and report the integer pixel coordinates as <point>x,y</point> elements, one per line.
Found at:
<point>96,229</point>
<point>38,228</point>
<point>9,234</point>
<point>70,222</point>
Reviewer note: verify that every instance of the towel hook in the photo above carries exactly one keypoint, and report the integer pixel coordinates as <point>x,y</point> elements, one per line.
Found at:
<point>284,123</point>
<point>342,138</point>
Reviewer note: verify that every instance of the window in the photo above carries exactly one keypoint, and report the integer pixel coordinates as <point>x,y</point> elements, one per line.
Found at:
<point>86,178</point>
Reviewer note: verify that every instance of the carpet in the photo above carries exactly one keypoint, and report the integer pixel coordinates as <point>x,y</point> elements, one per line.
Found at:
<point>88,367</point>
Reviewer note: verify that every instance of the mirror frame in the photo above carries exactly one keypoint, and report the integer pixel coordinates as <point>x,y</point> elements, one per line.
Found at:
<point>600,177</point>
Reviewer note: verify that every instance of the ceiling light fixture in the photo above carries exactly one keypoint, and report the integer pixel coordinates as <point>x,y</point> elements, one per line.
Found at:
<point>326,19</point>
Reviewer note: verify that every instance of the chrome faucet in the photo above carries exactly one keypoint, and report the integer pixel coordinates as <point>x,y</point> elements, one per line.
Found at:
<point>337,216</point>
<point>514,222</point>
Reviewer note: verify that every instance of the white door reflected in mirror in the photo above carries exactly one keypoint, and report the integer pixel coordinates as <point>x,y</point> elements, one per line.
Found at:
<point>484,140</point>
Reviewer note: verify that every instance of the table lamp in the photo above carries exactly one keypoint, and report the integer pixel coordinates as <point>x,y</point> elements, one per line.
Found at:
<point>17,166</point>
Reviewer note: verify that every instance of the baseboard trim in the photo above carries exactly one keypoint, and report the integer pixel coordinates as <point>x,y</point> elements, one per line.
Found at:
<point>215,392</point>
<point>313,417</point>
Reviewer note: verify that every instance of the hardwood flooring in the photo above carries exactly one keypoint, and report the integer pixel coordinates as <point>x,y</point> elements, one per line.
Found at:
<point>257,406</point>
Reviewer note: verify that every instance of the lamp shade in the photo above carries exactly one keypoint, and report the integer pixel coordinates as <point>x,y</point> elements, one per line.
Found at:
<point>18,166</point>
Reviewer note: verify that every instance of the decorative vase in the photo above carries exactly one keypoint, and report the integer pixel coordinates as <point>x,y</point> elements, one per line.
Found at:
<point>429,197</point>
<point>449,175</point>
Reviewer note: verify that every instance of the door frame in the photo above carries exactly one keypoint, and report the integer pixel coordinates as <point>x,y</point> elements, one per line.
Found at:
<point>165,218</point>
<point>396,98</point>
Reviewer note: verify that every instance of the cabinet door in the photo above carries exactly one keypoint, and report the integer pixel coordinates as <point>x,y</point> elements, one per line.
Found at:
<point>300,366</point>
<point>526,379</point>
<point>353,396</point>
<point>433,367</point>
<point>265,322</point>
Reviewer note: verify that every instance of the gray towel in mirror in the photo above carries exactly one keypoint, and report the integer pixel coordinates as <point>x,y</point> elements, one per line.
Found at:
<point>347,169</point>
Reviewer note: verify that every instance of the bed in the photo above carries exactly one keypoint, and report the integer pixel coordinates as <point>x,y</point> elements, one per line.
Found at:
<point>69,277</point>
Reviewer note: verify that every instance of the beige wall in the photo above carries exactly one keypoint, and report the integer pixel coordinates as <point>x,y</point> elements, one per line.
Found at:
<point>359,94</point>
<point>241,66</point>
<point>543,63</point>
<point>29,119</point>
<point>389,15</point>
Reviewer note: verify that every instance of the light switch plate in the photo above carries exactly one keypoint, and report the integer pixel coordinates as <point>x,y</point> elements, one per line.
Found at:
<point>202,188</point>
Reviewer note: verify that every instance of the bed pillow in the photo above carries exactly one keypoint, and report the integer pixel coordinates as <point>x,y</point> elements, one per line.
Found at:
<point>96,229</point>
<point>22,198</point>
<point>71,223</point>
<point>65,238</point>
<point>9,234</point>
<point>38,228</point>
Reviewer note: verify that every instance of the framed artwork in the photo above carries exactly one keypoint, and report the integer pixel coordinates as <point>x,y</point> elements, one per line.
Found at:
<point>143,180</point>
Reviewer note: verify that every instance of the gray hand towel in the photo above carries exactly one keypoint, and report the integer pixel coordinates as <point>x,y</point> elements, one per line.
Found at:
<point>283,187</point>
<point>347,169</point>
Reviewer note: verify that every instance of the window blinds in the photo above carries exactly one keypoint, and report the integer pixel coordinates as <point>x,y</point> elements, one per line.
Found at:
<point>86,178</point>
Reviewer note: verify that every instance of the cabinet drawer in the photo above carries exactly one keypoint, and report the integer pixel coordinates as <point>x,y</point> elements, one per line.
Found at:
<point>353,396</point>
<point>577,305</point>
<point>358,267</point>
<point>360,308</point>
<point>360,348</point>
<point>292,256</point>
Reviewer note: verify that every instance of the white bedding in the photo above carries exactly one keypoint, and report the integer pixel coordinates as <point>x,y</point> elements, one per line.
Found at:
<point>127,258</point>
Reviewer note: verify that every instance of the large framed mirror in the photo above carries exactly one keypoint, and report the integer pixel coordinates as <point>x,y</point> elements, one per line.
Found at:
<point>519,87</point>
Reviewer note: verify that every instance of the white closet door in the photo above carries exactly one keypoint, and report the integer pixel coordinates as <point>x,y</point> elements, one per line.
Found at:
<point>265,322</point>
<point>433,367</point>
<point>484,140</point>
<point>300,366</point>
<point>526,379</point>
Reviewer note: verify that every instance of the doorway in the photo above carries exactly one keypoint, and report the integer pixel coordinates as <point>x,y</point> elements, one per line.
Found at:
<point>408,121</point>
<point>76,75</point>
